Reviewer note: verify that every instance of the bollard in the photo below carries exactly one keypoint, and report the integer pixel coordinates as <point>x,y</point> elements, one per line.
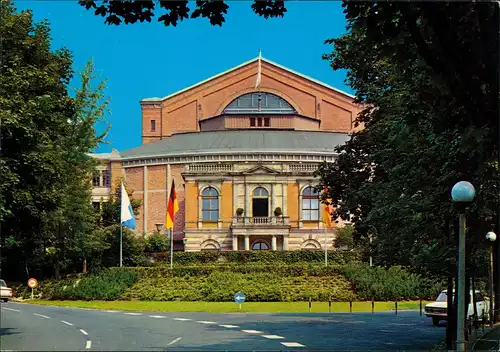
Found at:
<point>330,305</point>
<point>309,305</point>
<point>350,306</point>
<point>420,307</point>
<point>396,304</point>
<point>373,305</point>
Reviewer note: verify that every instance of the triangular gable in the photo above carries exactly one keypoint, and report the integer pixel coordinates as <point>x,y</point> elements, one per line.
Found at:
<point>156,99</point>
<point>260,169</point>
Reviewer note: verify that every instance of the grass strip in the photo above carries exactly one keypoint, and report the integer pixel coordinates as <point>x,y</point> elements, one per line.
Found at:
<point>231,307</point>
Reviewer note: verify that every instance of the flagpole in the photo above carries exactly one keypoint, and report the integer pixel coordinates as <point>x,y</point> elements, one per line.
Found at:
<point>121,241</point>
<point>326,250</point>
<point>171,248</point>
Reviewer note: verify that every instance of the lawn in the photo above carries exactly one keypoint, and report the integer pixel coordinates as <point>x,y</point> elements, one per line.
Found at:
<point>228,307</point>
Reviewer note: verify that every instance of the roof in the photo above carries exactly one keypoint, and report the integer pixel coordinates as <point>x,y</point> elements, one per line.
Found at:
<point>156,99</point>
<point>114,155</point>
<point>240,141</point>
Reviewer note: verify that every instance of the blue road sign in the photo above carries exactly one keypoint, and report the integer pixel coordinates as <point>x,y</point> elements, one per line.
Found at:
<point>239,297</point>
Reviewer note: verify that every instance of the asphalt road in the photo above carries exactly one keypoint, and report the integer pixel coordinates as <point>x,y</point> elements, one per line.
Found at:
<point>26,327</point>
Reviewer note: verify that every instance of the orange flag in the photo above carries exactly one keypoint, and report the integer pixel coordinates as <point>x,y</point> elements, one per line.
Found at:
<point>327,212</point>
<point>172,207</point>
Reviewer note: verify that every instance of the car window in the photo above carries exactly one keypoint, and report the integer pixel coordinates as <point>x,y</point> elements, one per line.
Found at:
<point>2,283</point>
<point>442,297</point>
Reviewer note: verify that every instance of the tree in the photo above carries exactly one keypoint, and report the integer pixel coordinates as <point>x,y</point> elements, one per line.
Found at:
<point>423,130</point>
<point>130,12</point>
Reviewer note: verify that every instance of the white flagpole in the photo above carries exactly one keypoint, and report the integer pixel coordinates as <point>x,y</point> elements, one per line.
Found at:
<point>121,244</point>
<point>170,231</point>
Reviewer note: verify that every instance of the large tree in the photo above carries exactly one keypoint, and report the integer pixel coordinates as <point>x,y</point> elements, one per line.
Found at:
<point>46,137</point>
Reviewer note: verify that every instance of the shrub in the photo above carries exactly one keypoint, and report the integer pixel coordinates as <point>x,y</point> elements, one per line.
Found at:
<point>109,284</point>
<point>157,243</point>
<point>382,284</point>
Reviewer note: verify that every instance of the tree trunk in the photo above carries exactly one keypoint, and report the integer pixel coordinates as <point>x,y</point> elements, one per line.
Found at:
<point>57,267</point>
<point>85,265</point>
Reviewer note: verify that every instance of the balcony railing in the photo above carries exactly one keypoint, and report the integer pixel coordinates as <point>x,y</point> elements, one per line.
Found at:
<point>209,168</point>
<point>304,167</point>
<point>261,221</point>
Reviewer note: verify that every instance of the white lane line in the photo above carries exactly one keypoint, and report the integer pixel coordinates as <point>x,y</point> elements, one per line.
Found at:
<point>273,337</point>
<point>89,344</point>
<point>230,326</point>
<point>12,309</point>
<point>157,316</point>
<point>133,313</point>
<point>111,311</point>
<point>41,315</point>
<point>65,322</point>
<point>292,344</point>
<point>182,319</point>
<point>174,341</point>
<point>206,322</point>
<point>84,332</point>
<point>253,331</point>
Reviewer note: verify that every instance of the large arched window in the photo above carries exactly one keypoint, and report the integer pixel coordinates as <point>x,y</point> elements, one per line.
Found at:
<point>210,205</point>
<point>260,246</point>
<point>260,202</point>
<point>310,204</point>
<point>259,103</point>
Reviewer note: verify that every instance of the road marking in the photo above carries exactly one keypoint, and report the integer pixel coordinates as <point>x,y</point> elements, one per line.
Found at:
<point>89,344</point>
<point>253,331</point>
<point>12,309</point>
<point>111,311</point>
<point>273,337</point>
<point>133,313</point>
<point>206,322</point>
<point>229,326</point>
<point>174,341</point>
<point>41,315</point>
<point>157,316</point>
<point>65,322</point>
<point>292,344</point>
<point>182,319</point>
<point>84,332</point>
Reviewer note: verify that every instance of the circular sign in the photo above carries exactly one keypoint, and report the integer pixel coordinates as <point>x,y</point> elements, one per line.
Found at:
<point>239,297</point>
<point>32,283</point>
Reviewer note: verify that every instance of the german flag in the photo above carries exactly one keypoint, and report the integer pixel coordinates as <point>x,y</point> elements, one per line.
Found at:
<point>327,212</point>
<point>172,207</point>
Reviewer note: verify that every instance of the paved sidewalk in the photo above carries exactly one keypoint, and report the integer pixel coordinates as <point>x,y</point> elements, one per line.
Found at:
<point>490,341</point>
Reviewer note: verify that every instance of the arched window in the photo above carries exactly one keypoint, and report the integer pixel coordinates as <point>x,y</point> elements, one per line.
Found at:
<point>310,204</point>
<point>260,192</point>
<point>260,246</point>
<point>259,103</point>
<point>210,205</point>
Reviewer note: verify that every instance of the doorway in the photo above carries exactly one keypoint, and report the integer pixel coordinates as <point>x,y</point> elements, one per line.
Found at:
<point>260,203</point>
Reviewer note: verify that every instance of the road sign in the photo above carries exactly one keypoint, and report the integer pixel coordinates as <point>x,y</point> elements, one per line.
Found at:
<point>239,297</point>
<point>32,283</point>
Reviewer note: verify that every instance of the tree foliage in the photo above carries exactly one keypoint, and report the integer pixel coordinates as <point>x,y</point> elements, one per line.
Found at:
<point>175,11</point>
<point>428,76</point>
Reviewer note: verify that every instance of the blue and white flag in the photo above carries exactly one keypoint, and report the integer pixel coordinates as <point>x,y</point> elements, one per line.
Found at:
<point>127,214</point>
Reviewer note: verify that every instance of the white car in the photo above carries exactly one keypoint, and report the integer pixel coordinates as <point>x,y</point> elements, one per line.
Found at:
<point>438,310</point>
<point>5,292</point>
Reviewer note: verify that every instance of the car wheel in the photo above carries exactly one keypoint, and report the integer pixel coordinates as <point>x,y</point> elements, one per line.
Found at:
<point>435,321</point>
<point>5,300</point>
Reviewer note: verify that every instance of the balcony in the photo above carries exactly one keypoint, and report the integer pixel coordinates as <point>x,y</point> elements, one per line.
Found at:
<point>261,221</point>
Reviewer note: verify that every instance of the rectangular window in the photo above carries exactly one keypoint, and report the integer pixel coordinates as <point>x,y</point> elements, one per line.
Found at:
<point>310,209</point>
<point>259,122</point>
<point>252,122</point>
<point>106,178</point>
<point>96,179</point>
<point>153,125</point>
<point>210,209</point>
<point>266,122</point>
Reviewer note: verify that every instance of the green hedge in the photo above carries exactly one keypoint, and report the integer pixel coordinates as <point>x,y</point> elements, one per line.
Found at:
<point>263,257</point>
<point>394,283</point>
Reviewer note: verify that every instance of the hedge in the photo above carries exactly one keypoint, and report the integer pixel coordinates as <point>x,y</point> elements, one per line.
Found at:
<point>263,257</point>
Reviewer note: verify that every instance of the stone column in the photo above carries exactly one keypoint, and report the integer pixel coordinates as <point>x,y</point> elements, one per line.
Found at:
<point>285,243</point>
<point>145,201</point>
<point>273,199</point>
<point>247,242</point>
<point>247,202</point>
<point>284,189</point>
<point>235,243</point>
<point>274,245</point>
<point>200,212</point>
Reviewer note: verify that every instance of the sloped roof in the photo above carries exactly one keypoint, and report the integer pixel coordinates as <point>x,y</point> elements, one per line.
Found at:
<point>157,99</point>
<point>240,141</point>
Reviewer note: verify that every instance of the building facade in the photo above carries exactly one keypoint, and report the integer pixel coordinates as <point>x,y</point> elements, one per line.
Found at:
<point>242,159</point>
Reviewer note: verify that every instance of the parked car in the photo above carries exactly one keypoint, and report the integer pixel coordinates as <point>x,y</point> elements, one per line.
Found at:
<point>438,310</point>
<point>6,293</point>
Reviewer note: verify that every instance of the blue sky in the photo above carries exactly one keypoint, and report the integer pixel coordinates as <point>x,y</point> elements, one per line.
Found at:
<point>150,60</point>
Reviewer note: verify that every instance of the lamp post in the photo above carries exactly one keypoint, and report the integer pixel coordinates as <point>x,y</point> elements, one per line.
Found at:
<point>491,237</point>
<point>463,192</point>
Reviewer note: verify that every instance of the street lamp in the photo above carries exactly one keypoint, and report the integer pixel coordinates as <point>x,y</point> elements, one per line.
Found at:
<point>491,236</point>
<point>463,192</point>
